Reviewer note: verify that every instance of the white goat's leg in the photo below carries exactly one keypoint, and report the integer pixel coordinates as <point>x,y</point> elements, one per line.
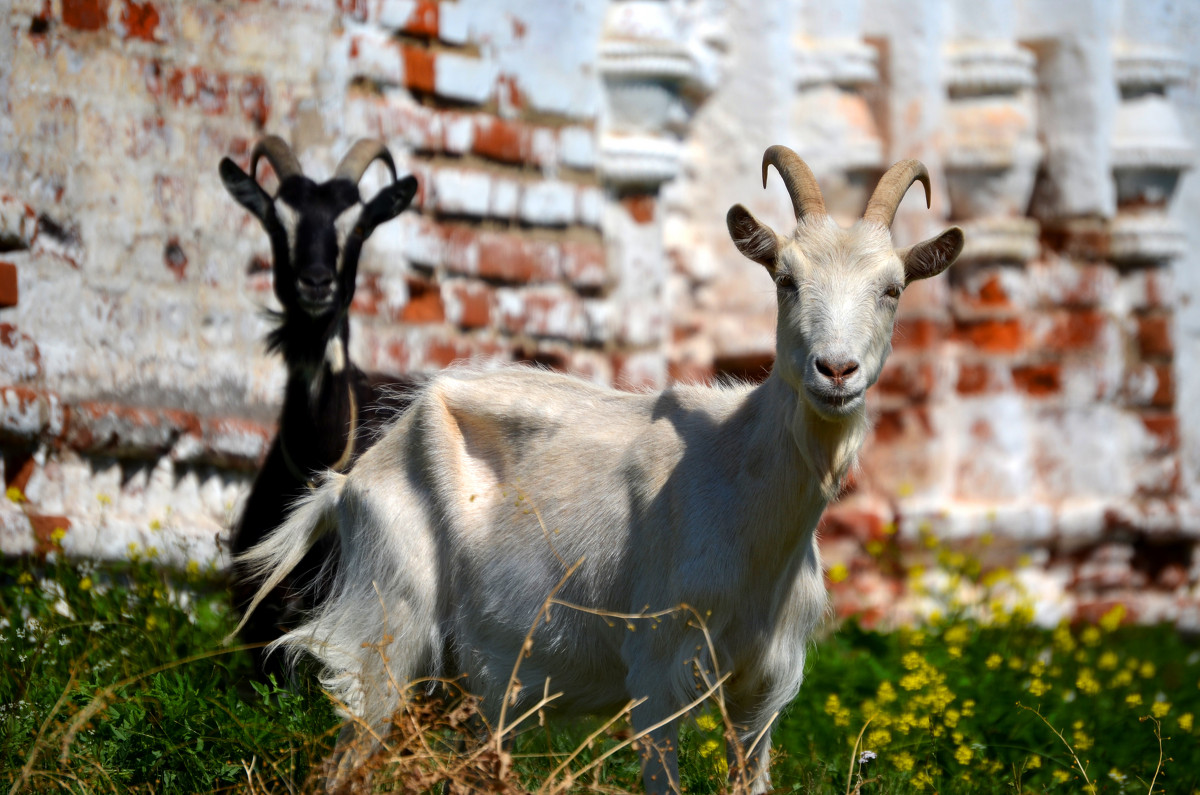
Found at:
<point>754,737</point>
<point>659,748</point>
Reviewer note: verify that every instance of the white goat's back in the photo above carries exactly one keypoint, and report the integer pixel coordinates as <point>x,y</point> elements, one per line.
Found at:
<point>460,522</point>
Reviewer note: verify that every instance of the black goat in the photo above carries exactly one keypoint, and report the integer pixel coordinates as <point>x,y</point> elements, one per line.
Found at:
<point>331,409</point>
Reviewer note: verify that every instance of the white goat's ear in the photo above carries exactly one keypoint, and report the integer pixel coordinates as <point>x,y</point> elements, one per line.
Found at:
<point>932,256</point>
<point>753,238</point>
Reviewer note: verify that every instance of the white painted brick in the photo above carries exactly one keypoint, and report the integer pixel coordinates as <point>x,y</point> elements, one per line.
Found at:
<point>462,192</point>
<point>393,13</point>
<point>374,54</point>
<point>577,147</point>
<point>549,203</point>
<point>460,132</point>
<point>454,22</point>
<point>589,206</point>
<point>506,194</point>
<point>544,147</point>
<point>465,78</point>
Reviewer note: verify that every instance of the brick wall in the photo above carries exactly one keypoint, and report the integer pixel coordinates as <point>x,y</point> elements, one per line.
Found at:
<point>575,168</point>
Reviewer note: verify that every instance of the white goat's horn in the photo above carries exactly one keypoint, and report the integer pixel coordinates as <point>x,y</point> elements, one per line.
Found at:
<point>278,154</point>
<point>891,189</point>
<point>798,177</point>
<point>364,152</point>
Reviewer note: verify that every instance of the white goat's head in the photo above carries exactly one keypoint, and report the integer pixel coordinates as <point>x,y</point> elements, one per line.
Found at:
<point>317,229</point>
<point>837,288</point>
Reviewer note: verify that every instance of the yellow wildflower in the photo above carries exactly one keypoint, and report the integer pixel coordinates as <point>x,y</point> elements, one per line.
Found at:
<point>1160,708</point>
<point>1037,688</point>
<point>1061,776</point>
<point>1146,670</point>
<point>708,722</point>
<point>993,661</point>
<point>903,761</point>
<point>1112,619</point>
<point>710,748</point>
<point>1090,636</point>
<point>951,717</point>
<point>1033,762</point>
<point>14,494</point>
<point>968,708</point>
<point>838,573</point>
<point>85,584</point>
<point>1185,722</point>
<point>878,738</point>
<point>963,754</point>
<point>1108,661</point>
<point>24,578</point>
<point>57,535</point>
<point>1134,699</point>
<point>886,693</point>
<point>1063,641</point>
<point>104,499</point>
<point>1087,682</point>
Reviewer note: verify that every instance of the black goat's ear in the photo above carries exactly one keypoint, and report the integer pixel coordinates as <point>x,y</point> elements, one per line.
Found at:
<point>245,190</point>
<point>388,203</point>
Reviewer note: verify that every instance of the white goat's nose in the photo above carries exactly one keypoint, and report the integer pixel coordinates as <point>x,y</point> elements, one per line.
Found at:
<point>837,370</point>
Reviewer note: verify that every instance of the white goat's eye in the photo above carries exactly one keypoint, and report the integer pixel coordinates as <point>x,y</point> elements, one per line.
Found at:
<point>784,281</point>
<point>892,291</point>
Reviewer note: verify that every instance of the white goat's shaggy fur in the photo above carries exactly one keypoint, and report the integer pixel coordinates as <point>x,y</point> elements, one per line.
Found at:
<point>458,524</point>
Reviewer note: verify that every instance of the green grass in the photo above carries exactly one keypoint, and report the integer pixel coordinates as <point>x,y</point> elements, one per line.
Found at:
<point>114,679</point>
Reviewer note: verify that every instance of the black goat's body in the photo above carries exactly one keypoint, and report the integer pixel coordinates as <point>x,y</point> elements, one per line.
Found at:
<point>314,436</point>
<point>332,411</point>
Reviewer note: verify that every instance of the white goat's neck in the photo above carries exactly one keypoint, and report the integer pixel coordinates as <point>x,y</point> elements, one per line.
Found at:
<point>828,448</point>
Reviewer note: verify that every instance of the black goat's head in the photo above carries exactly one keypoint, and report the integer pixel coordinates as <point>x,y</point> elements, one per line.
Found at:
<point>317,230</point>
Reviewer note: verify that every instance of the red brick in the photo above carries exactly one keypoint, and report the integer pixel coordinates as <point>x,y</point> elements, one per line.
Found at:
<point>974,379</point>
<point>906,424</point>
<point>1038,380</point>
<point>420,69</point>
<point>85,14</point>
<point>140,20</point>
<point>544,314</point>
<point>1164,395</point>
<point>424,20</point>
<point>907,378</point>
<point>1076,331</point>
<point>424,303</point>
<point>127,431</point>
<point>505,141</point>
<point>994,336</point>
<point>254,100</point>
<point>512,258</point>
<point>443,353</point>
<point>690,373</point>
<point>234,442</point>
<point>44,526</point>
<point>9,292</point>
<point>918,333</point>
<point>641,207</point>
<point>585,264</point>
<point>474,302</point>
<point>356,9</point>
<point>1165,430</point>
<point>1154,337</point>
<point>1087,239</point>
<point>863,526</point>
<point>368,296</point>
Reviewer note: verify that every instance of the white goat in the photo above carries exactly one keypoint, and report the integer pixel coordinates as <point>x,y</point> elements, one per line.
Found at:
<point>462,520</point>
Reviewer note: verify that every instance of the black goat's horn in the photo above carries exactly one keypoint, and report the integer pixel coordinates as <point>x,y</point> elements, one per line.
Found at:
<point>278,154</point>
<point>798,177</point>
<point>891,189</point>
<point>364,152</point>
